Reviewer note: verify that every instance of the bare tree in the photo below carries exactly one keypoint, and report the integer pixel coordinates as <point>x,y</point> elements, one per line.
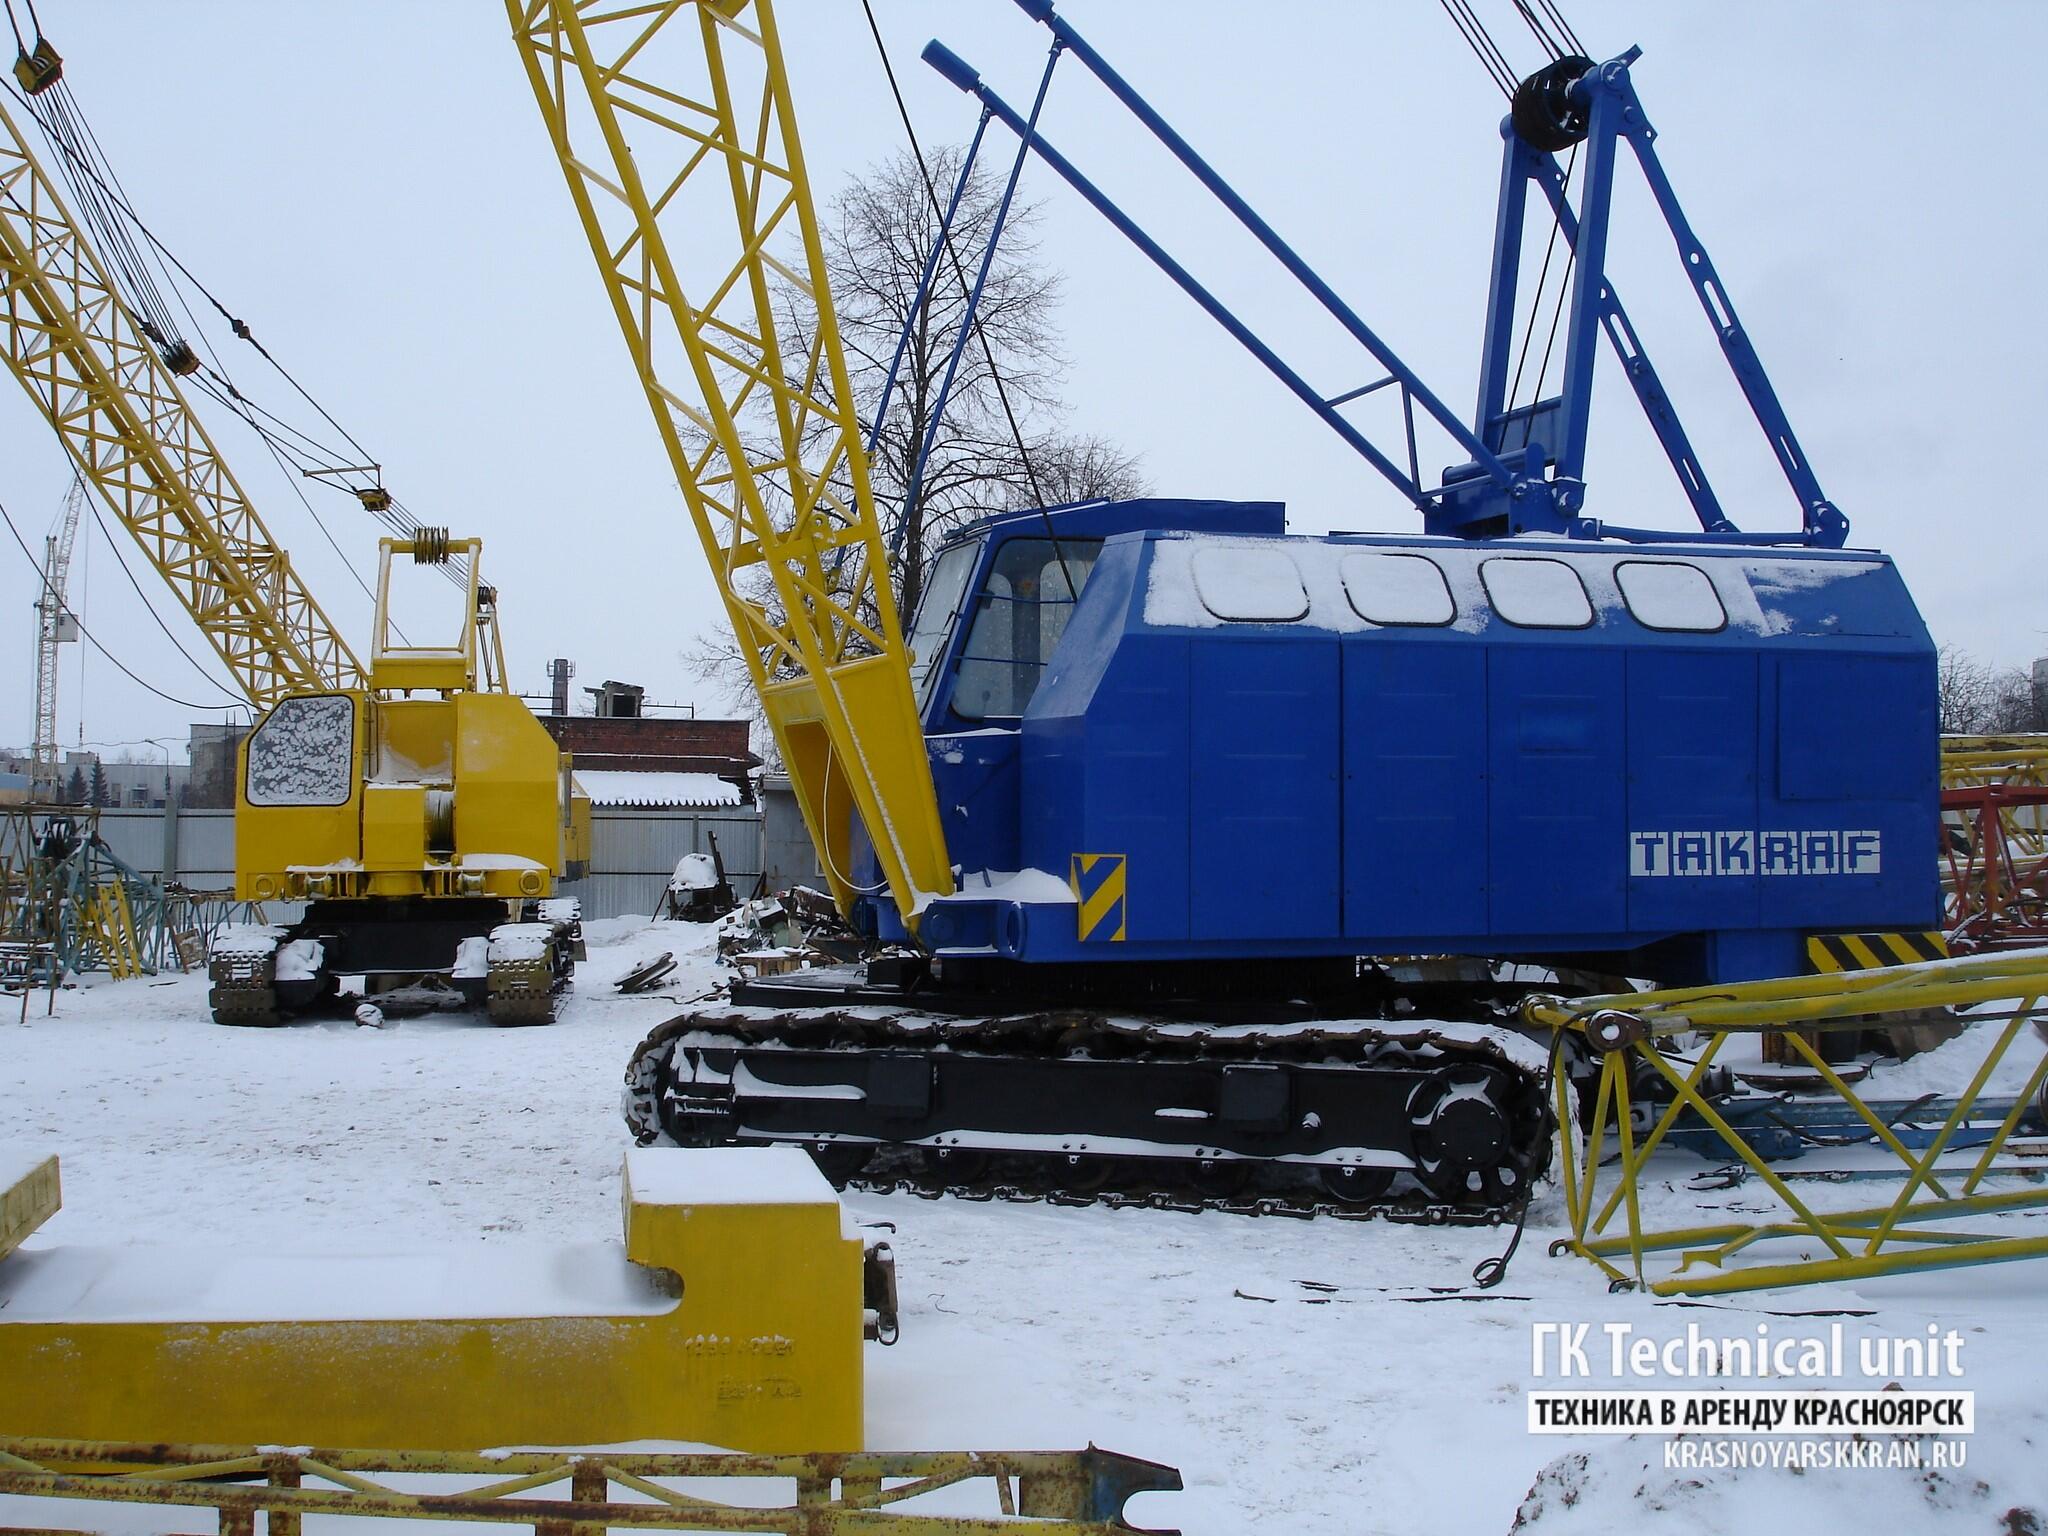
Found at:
<point>1963,686</point>
<point>1077,467</point>
<point>1000,444</point>
<point>1977,700</point>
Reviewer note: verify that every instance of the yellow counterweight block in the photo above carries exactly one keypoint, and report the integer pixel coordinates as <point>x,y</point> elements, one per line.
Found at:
<point>732,1317</point>
<point>508,796</point>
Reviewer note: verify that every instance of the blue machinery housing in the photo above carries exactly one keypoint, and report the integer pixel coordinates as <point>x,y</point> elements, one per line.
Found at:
<point>1673,760</point>
<point>1163,731</point>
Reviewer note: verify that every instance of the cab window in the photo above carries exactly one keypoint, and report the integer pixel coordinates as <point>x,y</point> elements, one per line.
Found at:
<point>1019,615</point>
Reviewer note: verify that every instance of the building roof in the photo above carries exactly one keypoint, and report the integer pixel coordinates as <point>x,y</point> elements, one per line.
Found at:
<point>621,786</point>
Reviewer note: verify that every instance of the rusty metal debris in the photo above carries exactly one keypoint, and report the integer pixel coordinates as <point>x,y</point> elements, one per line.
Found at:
<point>1035,1493</point>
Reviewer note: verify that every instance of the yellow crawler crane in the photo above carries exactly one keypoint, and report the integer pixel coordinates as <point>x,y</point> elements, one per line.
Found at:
<point>419,810</point>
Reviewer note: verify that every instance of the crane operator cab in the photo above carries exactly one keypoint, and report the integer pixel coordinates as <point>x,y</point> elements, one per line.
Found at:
<point>1166,733</point>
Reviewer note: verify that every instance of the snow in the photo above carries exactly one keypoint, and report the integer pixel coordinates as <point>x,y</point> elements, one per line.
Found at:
<point>725,1176</point>
<point>473,1279</point>
<point>1537,593</point>
<point>1625,1486</point>
<point>1393,588</point>
<point>1667,594</point>
<point>392,766</point>
<point>519,941</point>
<point>18,1164</point>
<point>694,872</point>
<point>1346,588</point>
<point>1258,586</point>
<point>498,861</point>
<point>472,957</point>
<point>304,752</point>
<point>1011,885</point>
<point>246,940</point>
<point>299,960</point>
<point>622,786</point>
<point>1322,1378</point>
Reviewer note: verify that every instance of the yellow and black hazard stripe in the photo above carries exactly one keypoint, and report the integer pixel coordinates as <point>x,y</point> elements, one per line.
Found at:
<point>1098,881</point>
<point>1869,951</point>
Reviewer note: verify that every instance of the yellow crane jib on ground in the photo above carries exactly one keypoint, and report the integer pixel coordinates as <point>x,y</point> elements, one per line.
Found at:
<point>678,117</point>
<point>733,1314</point>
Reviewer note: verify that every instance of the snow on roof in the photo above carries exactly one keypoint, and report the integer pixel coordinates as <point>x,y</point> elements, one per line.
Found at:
<point>627,786</point>
<point>1205,581</point>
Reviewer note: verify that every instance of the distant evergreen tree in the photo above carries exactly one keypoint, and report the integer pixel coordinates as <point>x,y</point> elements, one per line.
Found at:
<point>74,787</point>
<point>99,783</point>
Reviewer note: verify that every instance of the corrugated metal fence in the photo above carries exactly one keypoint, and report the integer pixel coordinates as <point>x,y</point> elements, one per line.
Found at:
<point>632,853</point>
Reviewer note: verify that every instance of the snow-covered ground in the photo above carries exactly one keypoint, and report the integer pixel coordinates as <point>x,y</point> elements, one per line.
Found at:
<point>1316,1377</point>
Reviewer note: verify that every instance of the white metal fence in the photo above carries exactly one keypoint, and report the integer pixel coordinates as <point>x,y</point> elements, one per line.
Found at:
<point>632,854</point>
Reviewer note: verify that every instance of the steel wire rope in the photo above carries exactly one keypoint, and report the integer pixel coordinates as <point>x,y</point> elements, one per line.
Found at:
<point>960,277</point>
<point>1535,304</point>
<point>117,197</point>
<point>1487,52</point>
<point>1549,44</point>
<point>1556,14</point>
<point>122,561</point>
<point>111,212</point>
<point>169,698</point>
<point>320,523</point>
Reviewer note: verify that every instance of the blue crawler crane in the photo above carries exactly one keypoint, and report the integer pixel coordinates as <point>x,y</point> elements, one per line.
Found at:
<point>1260,836</point>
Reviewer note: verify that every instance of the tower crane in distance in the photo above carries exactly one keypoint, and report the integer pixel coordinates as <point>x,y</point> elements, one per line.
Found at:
<point>415,808</point>
<point>54,627</point>
<point>1195,855</point>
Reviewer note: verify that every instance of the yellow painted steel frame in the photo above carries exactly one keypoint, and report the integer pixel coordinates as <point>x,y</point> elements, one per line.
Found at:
<point>760,1349</point>
<point>2018,859</point>
<point>1036,1493</point>
<point>396,665</point>
<point>692,131</point>
<point>1625,1030</point>
<point>118,410</point>
<point>484,814</point>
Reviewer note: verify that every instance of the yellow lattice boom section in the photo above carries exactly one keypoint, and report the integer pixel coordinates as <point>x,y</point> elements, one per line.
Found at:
<point>674,120</point>
<point>118,410</point>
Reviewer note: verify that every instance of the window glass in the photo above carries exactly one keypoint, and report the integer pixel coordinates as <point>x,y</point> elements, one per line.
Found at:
<point>1019,616</point>
<point>304,752</point>
<point>1249,586</point>
<point>945,591</point>
<point>1536,593</point>
<point>1666,595</point>
<point>1397,589</point>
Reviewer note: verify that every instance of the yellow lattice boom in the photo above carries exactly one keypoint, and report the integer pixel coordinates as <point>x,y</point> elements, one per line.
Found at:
<point>674,119</point>
<point>117,407</point>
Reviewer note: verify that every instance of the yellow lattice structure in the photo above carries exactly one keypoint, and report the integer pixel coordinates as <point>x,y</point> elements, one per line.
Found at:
<point>674,120</point>
<point>109,924</point>
<point>1994,796</point>
<point>1940,1215</point>
<point>118,410</point>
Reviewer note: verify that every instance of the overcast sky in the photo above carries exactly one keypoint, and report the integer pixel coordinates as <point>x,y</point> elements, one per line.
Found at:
<point>369,186</point>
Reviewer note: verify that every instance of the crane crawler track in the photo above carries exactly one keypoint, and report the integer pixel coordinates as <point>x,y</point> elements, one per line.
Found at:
<point>1072,1107</point>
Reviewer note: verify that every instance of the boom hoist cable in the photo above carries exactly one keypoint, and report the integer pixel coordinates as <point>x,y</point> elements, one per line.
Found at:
<point>971,320</point>
<point>75,345</point>
<point>139,259</point>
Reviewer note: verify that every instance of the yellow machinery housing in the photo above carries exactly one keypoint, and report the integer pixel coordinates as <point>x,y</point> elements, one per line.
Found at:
<point>423,819</point>
<point>383,792</point>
